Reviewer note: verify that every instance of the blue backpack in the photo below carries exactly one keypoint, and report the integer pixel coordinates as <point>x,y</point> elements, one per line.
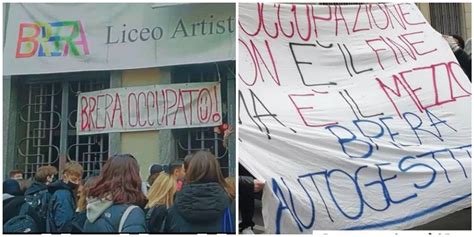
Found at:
<point>228,224</point>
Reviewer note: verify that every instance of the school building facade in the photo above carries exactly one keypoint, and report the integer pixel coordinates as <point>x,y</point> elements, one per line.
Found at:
<point>128,45</point>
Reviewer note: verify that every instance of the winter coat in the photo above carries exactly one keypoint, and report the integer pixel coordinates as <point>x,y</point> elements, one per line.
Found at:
<point>246,201</point>
<point>77,223</point>
<point>7,197</point>
<point>104,217</point>
<point>155,218</point>
<point>246,185</point>
<point>36,187</point>
<point>12,187</point>
<point>11,206</point>
<point>63,205</point>
<point>465,61</point>
<point>198,208</point>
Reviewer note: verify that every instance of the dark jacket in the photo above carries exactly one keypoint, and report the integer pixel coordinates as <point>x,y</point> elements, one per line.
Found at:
<point>36,187</point>
<point>246,201</point>
<point>11,206</point>
<point>246,185</point>
<point>77,223</point>
<point>155,218</point>
<point>38,197</point>
<point>12,187</point>
<point>198,208</point>
<point>465,61</point>
<point>104,217</point>
<point>62,205</point>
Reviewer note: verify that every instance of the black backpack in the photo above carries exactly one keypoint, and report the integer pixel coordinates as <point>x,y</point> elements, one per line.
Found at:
<point>40,204</point>
<point>155,219</point>
<point>33,214</point>
<point>26,222</point>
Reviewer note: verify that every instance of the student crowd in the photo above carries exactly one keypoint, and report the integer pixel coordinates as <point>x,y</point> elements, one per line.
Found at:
<point>187,196</point>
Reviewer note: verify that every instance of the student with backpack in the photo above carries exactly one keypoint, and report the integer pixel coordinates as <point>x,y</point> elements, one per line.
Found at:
<point>12,199</point>
<point>62,205</point>
<point>160,198</point>
<point>203,205</point>
<point>32,216</point>
<point>45,175</point>
<point>115,201</point>
<point>18,215</point>
<point>37,194</point>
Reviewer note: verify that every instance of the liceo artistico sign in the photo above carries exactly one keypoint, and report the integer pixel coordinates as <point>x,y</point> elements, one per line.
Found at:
<point>205,27</point>
<point>59,38</point>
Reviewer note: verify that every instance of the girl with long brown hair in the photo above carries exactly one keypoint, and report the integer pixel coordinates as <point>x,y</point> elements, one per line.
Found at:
<point>115,201</point>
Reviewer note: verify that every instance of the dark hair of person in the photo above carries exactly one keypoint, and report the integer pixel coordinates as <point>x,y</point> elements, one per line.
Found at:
<point>152,178</point>
<point>44,172</point>
<point>14,172</point>
<point>204,168</point>
<point>177,164</point>
<point>186,161</point>
<point>24,184</point>
<point>119,181</point>
<point>460,41</point>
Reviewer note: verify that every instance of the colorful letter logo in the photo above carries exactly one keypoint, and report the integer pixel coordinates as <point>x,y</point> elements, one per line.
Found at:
<point>51,39</point>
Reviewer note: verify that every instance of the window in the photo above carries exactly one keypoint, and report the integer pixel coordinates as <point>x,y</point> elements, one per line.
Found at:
<point>446,18</point>
<point>195,139</point>
<point>46,129</point>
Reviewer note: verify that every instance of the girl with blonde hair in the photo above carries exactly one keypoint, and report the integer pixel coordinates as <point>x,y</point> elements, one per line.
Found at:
<point>160,198</point>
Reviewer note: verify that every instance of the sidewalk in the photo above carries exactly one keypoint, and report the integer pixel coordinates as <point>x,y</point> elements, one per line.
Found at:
<point>460,220</point>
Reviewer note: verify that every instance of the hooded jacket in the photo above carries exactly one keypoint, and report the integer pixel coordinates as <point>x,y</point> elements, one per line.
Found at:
<point>36,187</point>
<point>37,205</point>
<point>12,187</point>
<point>198,208</point>
<point>104,216</point>
<point>63,206</point>
<point>11,206</point>
<point>7,196</point>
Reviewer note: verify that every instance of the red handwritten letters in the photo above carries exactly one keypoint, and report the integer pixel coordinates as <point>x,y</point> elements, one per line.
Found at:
<point>153,107</point>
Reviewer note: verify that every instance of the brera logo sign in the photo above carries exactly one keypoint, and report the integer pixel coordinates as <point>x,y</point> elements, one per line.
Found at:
<point>52,39</point>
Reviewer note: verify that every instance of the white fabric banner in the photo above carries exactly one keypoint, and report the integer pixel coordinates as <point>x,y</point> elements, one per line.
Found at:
<point>154,107</point>
<point>66,37</point>
<point>358,117</point>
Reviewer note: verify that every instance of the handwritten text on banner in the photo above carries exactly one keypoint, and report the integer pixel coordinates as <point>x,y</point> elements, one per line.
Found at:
<point>358,117</point>
<point>149,108</point>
